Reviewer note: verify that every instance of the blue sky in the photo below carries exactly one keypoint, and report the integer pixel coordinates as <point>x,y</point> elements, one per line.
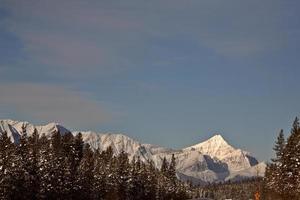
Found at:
<point>170,73</point>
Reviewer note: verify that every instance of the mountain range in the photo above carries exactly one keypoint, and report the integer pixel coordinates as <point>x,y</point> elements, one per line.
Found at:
<point>213,160</point>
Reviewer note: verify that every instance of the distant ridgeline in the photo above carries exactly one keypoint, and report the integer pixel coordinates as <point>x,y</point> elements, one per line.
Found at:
<point>213,160</point>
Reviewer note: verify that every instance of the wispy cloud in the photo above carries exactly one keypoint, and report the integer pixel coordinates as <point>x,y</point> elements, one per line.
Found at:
<point>78,38</point>
<point>101,36</point>
<point>61,51</point>
<point>47,103</point>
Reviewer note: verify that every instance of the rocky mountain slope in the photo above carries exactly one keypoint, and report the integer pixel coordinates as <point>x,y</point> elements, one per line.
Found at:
<point>209,161</point>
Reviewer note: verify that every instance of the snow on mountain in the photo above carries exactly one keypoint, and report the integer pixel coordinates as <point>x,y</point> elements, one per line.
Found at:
<point>218,148</point>
<point>14,135</point>
<point>257,170</point>
<point>209,161</point>
<point>118,142</point>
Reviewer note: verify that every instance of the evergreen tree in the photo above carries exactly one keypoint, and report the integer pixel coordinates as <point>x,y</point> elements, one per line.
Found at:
<point>274,173</point>
<point>33,168</point>
<point>136,186</point>
<point>172,169</point>
<point>122,172</point>
<point>164,166</point>
<point>78,149</point>
<point>86,174</point>
<point>77,155</point>
<point>279,147</point>
<point>7,166</point>
<point>68,167</point>
<point>44,165</point>
<point>103,184</point>
<point>55,182</point>
<point>291,164</point>
<point>21,175</point>
<point>152,180</point>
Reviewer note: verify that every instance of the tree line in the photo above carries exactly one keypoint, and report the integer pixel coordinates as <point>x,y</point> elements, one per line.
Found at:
<point>64,167</point>
<point>235,190</point>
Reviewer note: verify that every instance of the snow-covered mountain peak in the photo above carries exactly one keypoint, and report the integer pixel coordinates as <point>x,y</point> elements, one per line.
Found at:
<point>214,142</point>
<point>217,140</point>
<point>20,126</point>
<point>212,145</point>
<point>208,161</point>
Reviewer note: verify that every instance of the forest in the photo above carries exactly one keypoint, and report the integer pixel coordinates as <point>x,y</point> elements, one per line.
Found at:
<point>63,167</point>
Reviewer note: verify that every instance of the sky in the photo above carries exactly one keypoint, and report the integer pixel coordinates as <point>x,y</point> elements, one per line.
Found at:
<point>166,72</point>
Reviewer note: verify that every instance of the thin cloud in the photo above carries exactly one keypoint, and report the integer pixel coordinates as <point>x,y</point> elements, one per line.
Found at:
<point>48,103</point>
<point>99,37</point>
<point>59,50</point>
<point>77,38</point>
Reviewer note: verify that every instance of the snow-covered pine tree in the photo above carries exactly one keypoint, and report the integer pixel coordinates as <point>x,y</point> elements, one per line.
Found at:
<point>164,166</point>
<point>274,172</point>
<point>55,165</point>
<point>22,163</point>
<point>291,164</point>
<point>104,174</point>
<point>68,167</point>
<point>85,176</point>
<point>99,184</point>
<point>44,165</point>
<point>76,155</point>
<point>112,178</point>
<point>136,185</point>
<point>78,149</point>
<point>172,170</point>
<point>7,165</point>
<point>148,180</point>
<point>123,174</point>
<point>279,147</point>
<point>33,166</point>
<point>152,179</point>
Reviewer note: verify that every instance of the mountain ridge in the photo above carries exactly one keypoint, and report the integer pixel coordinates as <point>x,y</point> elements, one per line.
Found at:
<point>211,160</point>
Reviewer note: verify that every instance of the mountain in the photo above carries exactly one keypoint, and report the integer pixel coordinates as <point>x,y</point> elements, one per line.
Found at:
<point>210,161</point>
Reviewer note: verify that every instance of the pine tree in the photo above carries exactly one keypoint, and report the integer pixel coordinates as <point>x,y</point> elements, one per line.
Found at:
<point>136,185</point>
<point>7,166</point>
<point>122,172</point>
<point>44,165</point>
<point>279,147</point>
<point>34,179</point>
<point>274,173</point>
<point>68,167</point>
<point>86,174</point>
<point>152,180</point>
<point>172,169</point>
<point>21,175</point>
<point>103,173</point>
<point>78,149</point>
<point>291,163</point>
<point>55,165</point>
<point>76,154</point>
<point>164,166</point>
